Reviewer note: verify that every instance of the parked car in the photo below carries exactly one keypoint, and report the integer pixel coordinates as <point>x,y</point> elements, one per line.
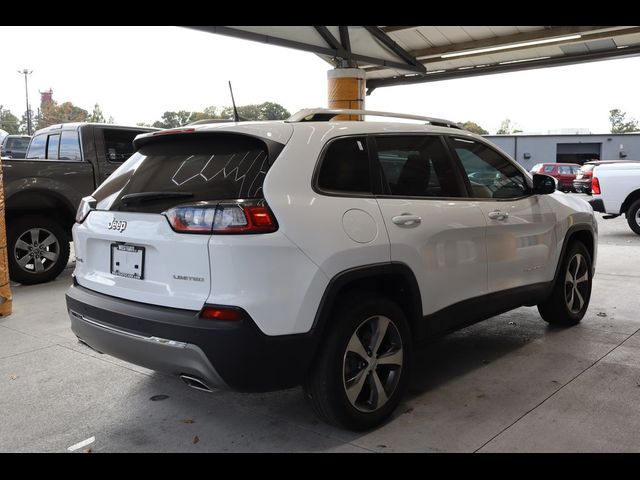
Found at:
<point>14,146</point>
<point>42,192</point>
<point>616,191</point>
<point>582,183</point>
<point>263,255</point>
<point>565,173</point>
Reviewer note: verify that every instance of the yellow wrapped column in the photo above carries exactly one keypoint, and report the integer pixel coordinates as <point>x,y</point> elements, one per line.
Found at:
<point>346,90</point>
<point>5,288</point>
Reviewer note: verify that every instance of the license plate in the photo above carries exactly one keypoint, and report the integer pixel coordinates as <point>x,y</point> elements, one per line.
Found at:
<point>127,261</point>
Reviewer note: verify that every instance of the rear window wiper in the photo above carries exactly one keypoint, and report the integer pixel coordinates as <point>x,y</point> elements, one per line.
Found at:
<point>150,196</point>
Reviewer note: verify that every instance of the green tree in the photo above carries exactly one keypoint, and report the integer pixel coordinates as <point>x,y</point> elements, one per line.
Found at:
<point>472,127</point>
<point>174,119</point>
<point>8,121</point>
<point>619,122</point>
<point>96,116</point>
<point>273,111</point>
<point>52,113</point>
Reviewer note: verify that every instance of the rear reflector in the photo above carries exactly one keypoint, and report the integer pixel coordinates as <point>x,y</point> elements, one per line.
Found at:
<point>220,313</point>
<point>595,186</point>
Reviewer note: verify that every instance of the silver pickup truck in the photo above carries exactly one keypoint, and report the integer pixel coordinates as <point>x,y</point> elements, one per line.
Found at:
<point>63,163</point>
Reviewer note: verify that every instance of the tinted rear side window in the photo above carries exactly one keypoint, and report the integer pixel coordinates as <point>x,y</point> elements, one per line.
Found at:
<point>70,146</point>
<point>417,166</point>
<point>345,166</point>
<point>52,147</point>
<point>19,144</point>
<point>201,167</point>
<point>37,147</point>
<point>118,144</point>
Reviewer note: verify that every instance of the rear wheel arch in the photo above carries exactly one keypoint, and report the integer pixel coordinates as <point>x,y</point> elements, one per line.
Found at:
<point>394,280</point>
<point>39,202</point>
<point>630,200</point>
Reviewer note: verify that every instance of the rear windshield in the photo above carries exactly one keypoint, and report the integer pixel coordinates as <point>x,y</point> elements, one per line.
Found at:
<point>188,168</point>
<point>18,144</point>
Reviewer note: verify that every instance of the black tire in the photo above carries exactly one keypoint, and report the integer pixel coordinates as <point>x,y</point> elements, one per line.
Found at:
<point>633,216</point>
<point>20,229</point>
<point>326,386</point>
<point>563,306</point>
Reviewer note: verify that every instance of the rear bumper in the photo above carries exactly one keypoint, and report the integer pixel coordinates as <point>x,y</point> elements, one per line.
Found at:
<point>228,355</point>
<point>598,205</point>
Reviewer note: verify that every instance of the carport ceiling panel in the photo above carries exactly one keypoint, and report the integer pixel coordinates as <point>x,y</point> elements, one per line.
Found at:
<point>418,47</point>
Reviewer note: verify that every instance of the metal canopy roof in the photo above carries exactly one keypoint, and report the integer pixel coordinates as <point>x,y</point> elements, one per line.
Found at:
<point>394,55</point>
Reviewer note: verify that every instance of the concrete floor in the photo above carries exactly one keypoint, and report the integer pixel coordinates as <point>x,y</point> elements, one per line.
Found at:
<point>511,383</point>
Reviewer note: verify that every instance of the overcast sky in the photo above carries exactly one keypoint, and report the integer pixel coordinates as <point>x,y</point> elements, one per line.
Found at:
<point>137,73</point>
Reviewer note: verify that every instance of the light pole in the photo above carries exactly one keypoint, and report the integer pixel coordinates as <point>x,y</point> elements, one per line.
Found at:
<point>26,72</point>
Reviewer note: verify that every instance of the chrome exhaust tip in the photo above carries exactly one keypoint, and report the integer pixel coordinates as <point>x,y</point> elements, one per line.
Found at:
<point>195,382</point>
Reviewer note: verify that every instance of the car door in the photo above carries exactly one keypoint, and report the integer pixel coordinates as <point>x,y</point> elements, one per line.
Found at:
<point>432,227</point>
<point>520,234</point>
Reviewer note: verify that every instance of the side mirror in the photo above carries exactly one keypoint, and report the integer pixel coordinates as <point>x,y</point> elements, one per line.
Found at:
<point>543,184</point>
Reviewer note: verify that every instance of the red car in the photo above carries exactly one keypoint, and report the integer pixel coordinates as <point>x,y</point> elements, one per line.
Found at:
<point>565,173</point>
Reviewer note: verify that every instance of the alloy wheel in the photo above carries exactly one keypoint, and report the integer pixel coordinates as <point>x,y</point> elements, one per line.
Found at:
<point>36,250</point>
<point>576,283</point>
<point>372,364</point>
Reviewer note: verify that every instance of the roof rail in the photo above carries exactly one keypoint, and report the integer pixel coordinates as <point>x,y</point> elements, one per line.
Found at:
<point>326,114</point>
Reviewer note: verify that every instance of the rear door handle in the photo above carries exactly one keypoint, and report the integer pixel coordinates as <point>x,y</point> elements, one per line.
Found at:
<point>407,220</point>
<point>498,215</point>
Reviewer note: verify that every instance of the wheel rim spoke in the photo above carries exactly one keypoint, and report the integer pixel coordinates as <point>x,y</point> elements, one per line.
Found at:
<point>381,331</point>
<point>35,235</point>
<point>24,260</point>
<point>22,245</point>
<point>380,394</point>
<point>394,358</point>
<point>38,265</point>
<point>48,241</point>
<point>568,277</point>
<point>578,258</point>
<point>580,299</point>
<point>354,390</point>
<point>53,256</point>
<point>355,346</point>
<point>583,278</point>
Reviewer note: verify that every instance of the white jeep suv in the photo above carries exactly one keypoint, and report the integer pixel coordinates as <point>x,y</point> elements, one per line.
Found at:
<point>264,255</point>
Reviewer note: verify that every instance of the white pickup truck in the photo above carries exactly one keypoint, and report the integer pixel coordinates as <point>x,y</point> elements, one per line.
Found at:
<point>616,191</point>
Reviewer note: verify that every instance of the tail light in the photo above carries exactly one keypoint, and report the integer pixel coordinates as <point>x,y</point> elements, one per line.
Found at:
<point>86,205</point>
<point>239,217</point>
<point>595,186</point>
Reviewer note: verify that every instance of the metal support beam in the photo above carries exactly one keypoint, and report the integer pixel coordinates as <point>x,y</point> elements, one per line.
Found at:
<point>346,43</point>
<point>393,46</point>
<point>397,29</point>
<point>283,42</point>
<point>374,83</point>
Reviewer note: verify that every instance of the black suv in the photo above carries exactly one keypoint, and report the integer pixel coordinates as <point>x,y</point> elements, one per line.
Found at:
<point>14,146</point>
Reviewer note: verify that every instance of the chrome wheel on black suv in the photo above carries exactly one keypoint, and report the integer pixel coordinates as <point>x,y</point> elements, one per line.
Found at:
<point>38,249</point>
<point>362,372</point>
